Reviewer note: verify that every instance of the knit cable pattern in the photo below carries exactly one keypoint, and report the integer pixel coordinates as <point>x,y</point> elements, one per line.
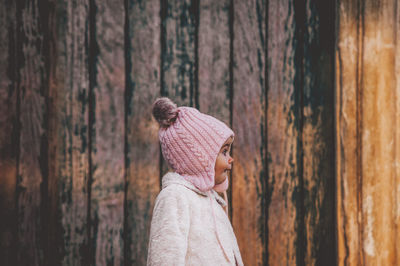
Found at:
<point>191,145</point>
<point>202,158</point>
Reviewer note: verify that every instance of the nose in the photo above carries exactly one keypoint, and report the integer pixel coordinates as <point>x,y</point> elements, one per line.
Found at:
<point>230,160</point>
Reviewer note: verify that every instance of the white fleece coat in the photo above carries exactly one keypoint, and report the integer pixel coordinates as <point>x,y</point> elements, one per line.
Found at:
<point>182,228</point>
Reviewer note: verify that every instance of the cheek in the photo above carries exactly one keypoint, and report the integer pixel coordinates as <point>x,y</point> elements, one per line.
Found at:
<point>218,166</point>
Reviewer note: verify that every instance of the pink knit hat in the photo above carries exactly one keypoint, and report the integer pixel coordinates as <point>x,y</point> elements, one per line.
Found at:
<point>190,141</point>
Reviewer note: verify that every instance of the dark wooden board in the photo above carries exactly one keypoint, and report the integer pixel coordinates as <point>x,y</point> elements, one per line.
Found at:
<point>142,148</point>
<point>213,59</point>
<point>318,134</point>
<point>71,82</point>
<point>106,120</point>
<point>8,132</point>
<point>32,169</point>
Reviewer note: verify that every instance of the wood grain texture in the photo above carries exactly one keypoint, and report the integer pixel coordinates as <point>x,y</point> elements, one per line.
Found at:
<point>52,226</point>
<point>367,133</point>
<point>72,82</point>
<point>31,77</point>
<point>178,50</point>
<point>248,190</point>
<point>378,133</point>
<point>317,134</point>
<point>396,143</point>
<point>8,133</point>
<point>213,59</point>
<point>142,148</point>
<point>107,131</point>
<point>348,192</point>
<point>284,139</point>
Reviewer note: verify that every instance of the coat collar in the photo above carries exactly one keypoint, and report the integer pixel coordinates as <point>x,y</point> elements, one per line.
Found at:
<point>175,178</point>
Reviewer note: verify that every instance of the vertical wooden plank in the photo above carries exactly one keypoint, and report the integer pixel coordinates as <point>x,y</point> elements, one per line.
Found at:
<point>248,124</point>
<point>396,190</point>
<point>52,226</point>
<point>141,135</point>
<point>107,130</point>
<point>284,138</point>
<point>378,132</point>
<point>8,133</point>
<point>213,59</point>
<point>347,153</point>
<point>72,85</point>
<point>31,83</point>
<point>317,134</point>
<point>178,50</point>
<point>367,69</point>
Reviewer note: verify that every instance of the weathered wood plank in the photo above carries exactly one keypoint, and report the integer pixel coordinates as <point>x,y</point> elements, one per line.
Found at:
<point>378,132</point>
<point>8,133</point>
<point>248,180</point>
<point>107,77</point>
<point>72,85</point>
<point>52,231</point>
<point>284,139</point>
<point>396,188</point>
<point>213,59</point>
<point>32,154</point>
<point>367,143</point>
<point>142,149</point>
<point>317,134</point>
<point>178,50</point>
<point>347,152</point>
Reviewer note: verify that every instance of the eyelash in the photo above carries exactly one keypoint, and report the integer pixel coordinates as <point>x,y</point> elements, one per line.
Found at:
<point>224,152</point>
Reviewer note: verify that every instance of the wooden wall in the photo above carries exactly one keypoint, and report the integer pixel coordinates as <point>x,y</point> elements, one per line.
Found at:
<point>309,88</point>
<point>368,132</point>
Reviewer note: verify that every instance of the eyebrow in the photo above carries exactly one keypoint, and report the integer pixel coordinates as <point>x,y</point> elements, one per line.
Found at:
<point>226,145</point>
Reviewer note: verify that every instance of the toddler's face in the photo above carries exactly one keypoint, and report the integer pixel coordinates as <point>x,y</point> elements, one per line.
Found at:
<point>223,164</point>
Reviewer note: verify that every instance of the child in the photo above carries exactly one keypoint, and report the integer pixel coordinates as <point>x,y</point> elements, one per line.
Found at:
<point>189,224</point>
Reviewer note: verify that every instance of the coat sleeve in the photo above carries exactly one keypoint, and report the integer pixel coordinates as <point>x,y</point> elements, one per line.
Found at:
<point>169,229</point>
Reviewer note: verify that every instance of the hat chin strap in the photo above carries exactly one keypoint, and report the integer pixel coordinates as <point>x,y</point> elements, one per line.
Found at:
<point>222,186</point>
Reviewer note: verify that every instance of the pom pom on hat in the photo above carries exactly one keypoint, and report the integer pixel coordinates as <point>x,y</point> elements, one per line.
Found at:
<point>165,111</point>
<point>190,141</point>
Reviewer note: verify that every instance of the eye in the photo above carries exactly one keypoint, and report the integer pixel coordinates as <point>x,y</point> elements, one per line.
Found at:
<point>224,152</point>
